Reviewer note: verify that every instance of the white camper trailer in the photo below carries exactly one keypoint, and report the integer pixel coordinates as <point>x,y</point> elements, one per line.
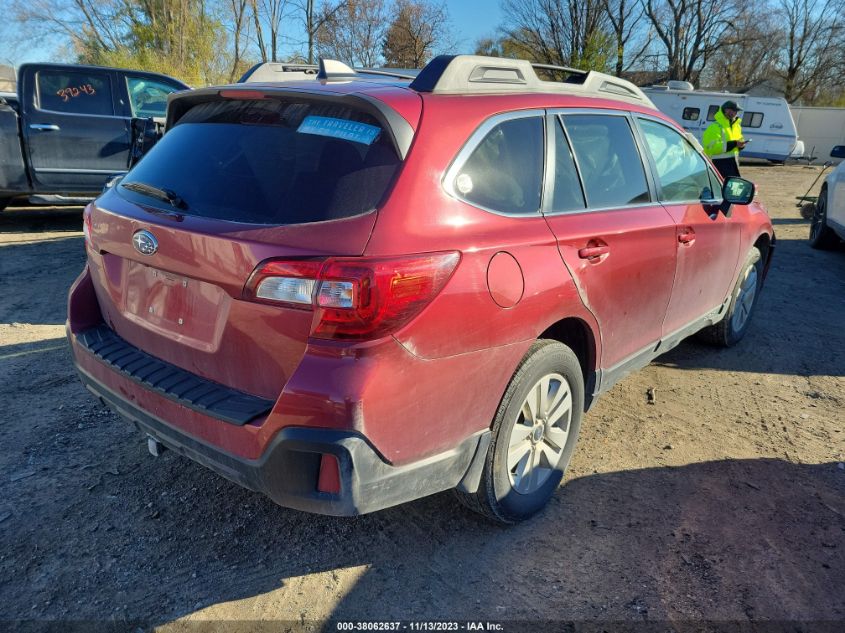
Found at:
<point>766,121</point>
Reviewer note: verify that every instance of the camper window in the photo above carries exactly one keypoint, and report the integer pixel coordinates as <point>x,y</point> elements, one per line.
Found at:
<point>711,112</point>
<point>691,114</point>
<point>752,119</point>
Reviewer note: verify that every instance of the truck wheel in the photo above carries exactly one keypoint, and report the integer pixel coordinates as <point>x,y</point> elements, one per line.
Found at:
<point>534,434</point>
<point>733,326</point>
<point>822,236</point>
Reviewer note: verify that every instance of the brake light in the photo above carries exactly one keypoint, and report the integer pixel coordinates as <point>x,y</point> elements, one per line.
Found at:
<point>354,297</point>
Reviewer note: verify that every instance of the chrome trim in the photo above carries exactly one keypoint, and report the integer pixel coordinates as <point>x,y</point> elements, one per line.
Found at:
<point>62,170</point>
<point>47,127</point>
<point>448,180</point>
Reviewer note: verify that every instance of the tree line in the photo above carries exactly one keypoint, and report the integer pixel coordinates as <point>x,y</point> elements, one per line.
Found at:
<point>795,46</point>
<point>213,41</point>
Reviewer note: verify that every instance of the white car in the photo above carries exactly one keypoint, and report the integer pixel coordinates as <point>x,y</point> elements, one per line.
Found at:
<point>828,223</point>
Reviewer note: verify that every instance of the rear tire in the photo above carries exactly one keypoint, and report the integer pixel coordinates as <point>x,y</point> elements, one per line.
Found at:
<point>822,236</point>
<point>733,326</point>
<point>534,434</point>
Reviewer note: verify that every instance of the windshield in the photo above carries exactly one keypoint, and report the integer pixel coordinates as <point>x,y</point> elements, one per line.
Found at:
<point>269,161</point>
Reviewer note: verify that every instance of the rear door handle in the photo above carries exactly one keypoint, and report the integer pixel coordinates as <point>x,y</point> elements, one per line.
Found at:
<point>44,127</point>
<point>591,252</point>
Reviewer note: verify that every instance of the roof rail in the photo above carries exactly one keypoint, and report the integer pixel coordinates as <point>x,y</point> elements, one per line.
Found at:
<point>475,74</point>
<point>327,70</point>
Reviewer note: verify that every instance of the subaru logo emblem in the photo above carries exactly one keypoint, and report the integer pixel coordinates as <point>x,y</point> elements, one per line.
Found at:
<point>145,242</point>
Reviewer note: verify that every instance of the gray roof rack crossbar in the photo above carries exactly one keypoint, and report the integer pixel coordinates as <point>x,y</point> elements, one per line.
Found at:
<point>475,74</point>
<point>326,70</point>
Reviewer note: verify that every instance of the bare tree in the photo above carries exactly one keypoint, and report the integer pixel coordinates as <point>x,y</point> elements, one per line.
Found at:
<point>560,32</point>
<point>625,18</point>
<point>690,31</point>
<point>814,46</point>
<point>354,32</point>
<point>417,29</point>
<point>267,17</point>
<point>238,16</point>
<point>749,54</point>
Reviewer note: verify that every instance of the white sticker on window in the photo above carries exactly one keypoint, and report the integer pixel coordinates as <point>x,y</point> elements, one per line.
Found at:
<point>340,128</point>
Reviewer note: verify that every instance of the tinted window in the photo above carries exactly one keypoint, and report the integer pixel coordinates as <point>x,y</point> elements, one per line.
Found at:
<point>505,171</point>
<point>752,119</point>
<point>74,92</point>
<point>270,162</point>
<point>148,97</point>
<point>568,195</point>
<point>607,156</point>
<point>681,171</point>
<point>691,114</point>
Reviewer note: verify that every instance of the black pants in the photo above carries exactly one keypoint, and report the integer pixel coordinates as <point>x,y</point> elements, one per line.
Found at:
<point>728,167</point>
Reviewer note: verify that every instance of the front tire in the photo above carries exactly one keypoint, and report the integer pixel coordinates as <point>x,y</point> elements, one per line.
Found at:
<point>733,326</point>
<point>822,236</point>
<point>534,434</point>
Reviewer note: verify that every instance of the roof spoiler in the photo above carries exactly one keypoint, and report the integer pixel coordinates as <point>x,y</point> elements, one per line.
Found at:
<point>476,74</point>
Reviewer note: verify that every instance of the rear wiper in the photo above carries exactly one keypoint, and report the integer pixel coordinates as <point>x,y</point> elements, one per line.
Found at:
<point>165,195</point>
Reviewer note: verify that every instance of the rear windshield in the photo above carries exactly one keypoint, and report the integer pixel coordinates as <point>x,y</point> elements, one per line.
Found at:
<point>270,162</point>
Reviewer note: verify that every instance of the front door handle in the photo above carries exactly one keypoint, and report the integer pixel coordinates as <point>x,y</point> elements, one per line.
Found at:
<point>591,252</point>
<point>44,127</point>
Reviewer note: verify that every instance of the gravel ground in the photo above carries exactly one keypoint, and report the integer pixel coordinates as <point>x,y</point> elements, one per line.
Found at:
<point>724,501</point>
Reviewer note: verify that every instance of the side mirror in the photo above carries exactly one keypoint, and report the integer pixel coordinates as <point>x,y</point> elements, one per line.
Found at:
<point>838,151</point>
<point>738,191</point>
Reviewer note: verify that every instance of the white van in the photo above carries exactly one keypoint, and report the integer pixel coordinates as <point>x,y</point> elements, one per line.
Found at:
<point>766,121</point>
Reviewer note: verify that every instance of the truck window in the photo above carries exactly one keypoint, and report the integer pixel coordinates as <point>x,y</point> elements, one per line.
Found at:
<point>752,119</point>
<point>75,92</point>
<point>608,158</point>
<point>148,97</point>
<point>691,114</point>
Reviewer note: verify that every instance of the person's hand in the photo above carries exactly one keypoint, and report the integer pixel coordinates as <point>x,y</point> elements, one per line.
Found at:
<point>741,144</point>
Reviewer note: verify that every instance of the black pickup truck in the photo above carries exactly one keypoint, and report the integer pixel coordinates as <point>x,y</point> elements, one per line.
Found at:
<point>69,128</point>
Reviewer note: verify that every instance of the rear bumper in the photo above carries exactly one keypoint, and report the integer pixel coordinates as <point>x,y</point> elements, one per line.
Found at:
<point>288,470</point>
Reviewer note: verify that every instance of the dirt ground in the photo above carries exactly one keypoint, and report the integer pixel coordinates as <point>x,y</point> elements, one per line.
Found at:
<point>722,502</point>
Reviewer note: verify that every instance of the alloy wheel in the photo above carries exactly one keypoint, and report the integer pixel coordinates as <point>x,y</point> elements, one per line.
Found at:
<point>539,433</point>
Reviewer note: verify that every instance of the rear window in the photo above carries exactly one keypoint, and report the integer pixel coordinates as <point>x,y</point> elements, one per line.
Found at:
<point>270,162</point>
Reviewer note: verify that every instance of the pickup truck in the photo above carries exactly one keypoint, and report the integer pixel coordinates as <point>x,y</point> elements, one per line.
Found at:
<point>69,128</point>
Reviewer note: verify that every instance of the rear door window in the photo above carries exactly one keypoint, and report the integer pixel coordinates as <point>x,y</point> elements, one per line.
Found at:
<point>504,173</point>
<point>681,171</point>
<point>568,195</point>
<point>148,97</point>
<point>608,159</point>
<point>75,92</point>
<point>273,161</point>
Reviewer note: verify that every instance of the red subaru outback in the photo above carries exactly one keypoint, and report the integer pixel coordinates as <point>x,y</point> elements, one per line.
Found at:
<point>349,293</point>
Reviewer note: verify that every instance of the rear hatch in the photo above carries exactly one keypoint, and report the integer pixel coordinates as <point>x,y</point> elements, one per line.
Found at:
<point>240,177</point>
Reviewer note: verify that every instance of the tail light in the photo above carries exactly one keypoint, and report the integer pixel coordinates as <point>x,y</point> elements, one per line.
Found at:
<point>354,297</point>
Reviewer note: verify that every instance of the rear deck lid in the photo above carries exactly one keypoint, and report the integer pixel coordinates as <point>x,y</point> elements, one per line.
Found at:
<point>235,182</point>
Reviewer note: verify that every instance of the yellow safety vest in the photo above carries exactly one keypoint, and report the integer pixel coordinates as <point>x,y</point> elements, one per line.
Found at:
<point>716,136</point>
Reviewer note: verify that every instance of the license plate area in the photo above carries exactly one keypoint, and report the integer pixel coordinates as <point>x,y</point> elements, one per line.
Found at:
<point>184,309</point>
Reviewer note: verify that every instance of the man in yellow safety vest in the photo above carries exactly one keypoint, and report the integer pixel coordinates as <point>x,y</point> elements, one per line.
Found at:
<point>722,140</point>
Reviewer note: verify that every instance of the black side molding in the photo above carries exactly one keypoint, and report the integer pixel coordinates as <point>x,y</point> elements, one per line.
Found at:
<point>189,390</point>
